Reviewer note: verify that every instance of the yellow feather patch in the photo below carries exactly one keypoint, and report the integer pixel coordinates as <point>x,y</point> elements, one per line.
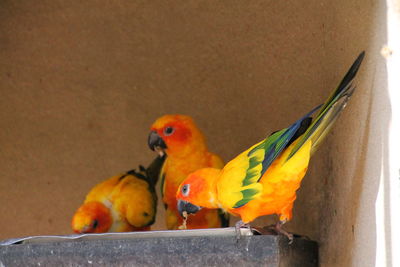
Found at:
<point>239,178</point>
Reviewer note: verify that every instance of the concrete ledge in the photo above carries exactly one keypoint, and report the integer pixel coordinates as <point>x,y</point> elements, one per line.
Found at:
<point>162,248</point>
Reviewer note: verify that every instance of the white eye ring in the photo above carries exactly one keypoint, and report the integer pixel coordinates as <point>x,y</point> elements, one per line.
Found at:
<point>168,130</point>
<point>185,190</point>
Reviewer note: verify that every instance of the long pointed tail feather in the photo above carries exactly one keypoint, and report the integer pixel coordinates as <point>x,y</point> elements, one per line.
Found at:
<point>330,118</point>
<point>330,111</point>
<point>347,79</point>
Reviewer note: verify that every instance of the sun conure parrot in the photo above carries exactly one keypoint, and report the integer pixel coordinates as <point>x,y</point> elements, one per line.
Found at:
<point>122,203</point>
<point>185,147</point>
<point>263,179</point>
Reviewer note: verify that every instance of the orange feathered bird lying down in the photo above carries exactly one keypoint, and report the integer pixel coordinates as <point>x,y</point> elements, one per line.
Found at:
<point>263,179</point>
<point>186,151</point>
<point>122,203</point>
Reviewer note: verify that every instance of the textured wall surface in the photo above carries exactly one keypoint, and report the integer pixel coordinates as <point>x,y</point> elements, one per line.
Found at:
<point>81,82</point>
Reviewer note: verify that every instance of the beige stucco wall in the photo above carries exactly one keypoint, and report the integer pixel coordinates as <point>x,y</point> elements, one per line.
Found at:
<point>81,83</point>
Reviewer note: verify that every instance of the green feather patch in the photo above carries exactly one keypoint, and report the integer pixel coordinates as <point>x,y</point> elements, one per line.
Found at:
<point>248,194</point>
<point>252,172</point>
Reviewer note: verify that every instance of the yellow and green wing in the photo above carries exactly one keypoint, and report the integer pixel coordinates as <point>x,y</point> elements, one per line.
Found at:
<point>239,181</point>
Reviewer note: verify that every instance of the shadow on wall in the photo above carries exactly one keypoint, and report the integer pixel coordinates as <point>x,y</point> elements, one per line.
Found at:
<point>372,171</point>
<point>346,169</point>
<point>358,153</point>
<point>386,176</point>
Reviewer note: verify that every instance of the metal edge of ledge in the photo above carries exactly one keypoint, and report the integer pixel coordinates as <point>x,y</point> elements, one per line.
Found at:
<point>231,231</point>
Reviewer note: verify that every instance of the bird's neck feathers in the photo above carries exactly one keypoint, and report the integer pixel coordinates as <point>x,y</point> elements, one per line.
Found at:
<point>193,149</point>
<point>206,187</point>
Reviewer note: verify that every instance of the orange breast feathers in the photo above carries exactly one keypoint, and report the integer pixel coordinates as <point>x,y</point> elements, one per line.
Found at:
<point>175,171</point>
<point>122,203</point>
<point>185,146</point>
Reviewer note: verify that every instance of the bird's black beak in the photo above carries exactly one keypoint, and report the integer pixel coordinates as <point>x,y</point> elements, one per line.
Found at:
<point>188,207</point>
<point>155,141</point>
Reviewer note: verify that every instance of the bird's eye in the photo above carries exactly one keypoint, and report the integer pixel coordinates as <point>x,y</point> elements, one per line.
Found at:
<point>185,190</point>
<point>168,130</point>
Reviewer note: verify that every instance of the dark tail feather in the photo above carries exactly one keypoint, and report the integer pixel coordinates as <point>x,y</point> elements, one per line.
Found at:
<point>346,81</point>
<point>331,109</point>
<point>154,169</point>
<point>224,217</point>
<point>149,174</point>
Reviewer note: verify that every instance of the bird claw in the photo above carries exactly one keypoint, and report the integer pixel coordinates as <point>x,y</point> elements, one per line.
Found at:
<point>289,236</point>
<point>277,228</point>
<point>238,225</point>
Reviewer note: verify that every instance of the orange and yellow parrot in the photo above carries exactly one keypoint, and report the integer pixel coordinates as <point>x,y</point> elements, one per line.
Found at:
<point>122,203</point>
<point>263,179</point>
<point>186,151</point>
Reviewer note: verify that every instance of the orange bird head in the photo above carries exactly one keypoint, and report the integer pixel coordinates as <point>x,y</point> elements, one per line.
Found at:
<point>177,135</point>
<point>198,190</point>
<point>92,217</point>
